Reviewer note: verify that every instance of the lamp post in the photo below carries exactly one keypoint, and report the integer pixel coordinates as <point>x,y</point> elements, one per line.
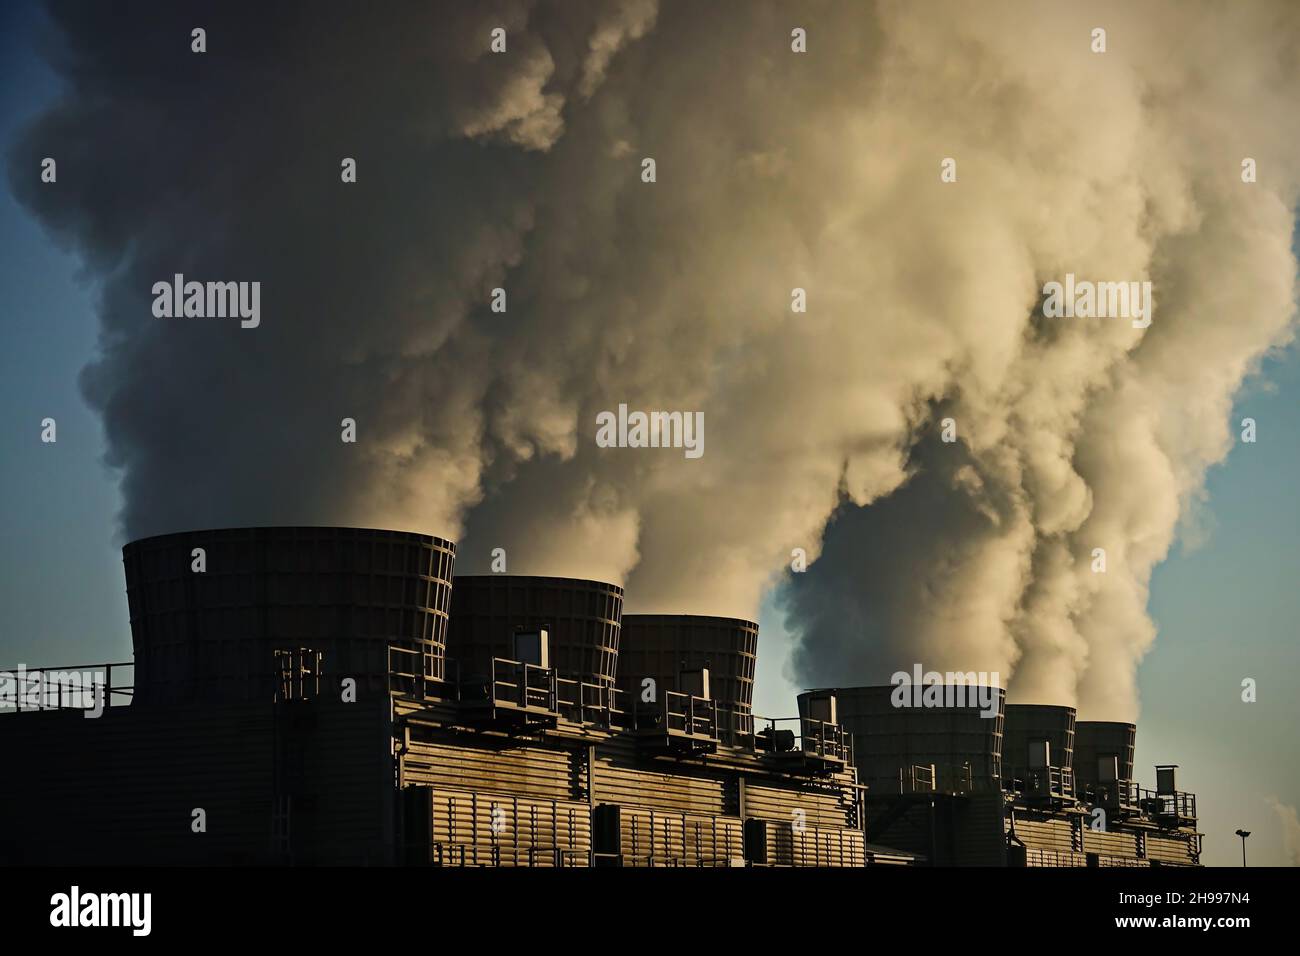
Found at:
<point>1243,834</point>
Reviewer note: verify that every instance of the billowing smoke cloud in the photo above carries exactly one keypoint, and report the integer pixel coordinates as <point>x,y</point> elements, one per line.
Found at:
<point>775,170</point>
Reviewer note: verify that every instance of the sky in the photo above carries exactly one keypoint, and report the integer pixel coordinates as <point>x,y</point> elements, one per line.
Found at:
<point>1223,603</point>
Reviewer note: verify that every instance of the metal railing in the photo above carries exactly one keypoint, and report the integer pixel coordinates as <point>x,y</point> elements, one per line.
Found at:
<point>688,714</point>
<point>1178,805</point>
<point>1052,782</point>
<point>610,708</point>
<point>1118,794</point>
<point>821,738</point>
<point>583,702</point>
<point>522,685</point>
<point>736,728</point>
<point>411,671</point>
<point>87,687</point>
<point>813,738</point>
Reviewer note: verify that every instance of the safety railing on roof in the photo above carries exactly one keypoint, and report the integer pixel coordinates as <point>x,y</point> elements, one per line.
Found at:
<point>1179,805</point>
<point>804,736</point>
<point>411,672</point>
<point>821,738</point>
<point>597,704</point>
<point>586,702</point>
<point>736,727</point>
<point>87,687</point>
<point>1050,782</point>
<point>519,684</point>
<point>691,715</point>
<point>1120,794</point>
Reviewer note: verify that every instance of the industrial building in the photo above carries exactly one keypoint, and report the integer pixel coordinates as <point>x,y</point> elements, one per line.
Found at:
<point>1029,787</point>
<point>338,696</point>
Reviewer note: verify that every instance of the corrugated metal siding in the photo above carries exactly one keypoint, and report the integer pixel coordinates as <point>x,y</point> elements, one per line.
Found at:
<point>632,787</point>
<point>482,829</point>
<point>1039,857</point>
<point>1110,843</point>
<point>791,845</point>
<point>1057,835</point>
<point>465,763</point>
<point>1051,843</point>
<point>665,838</point>
<point>815,809</point>
<point>828,847</point>
<point>1171,849</point>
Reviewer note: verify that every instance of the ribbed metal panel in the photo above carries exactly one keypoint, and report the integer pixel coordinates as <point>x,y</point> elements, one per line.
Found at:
<point>659,646</point>
<point>1054,842</point>
<point>1179,850</point>
<point>631,787</point>
<point>668,838</point>
<point>827,848</point>
<point>1094,739</point>
<point>468,828</point>
<point>793,845</point>
<point>807,808</point>
<point>1026,723</point>
<point>1048,834</point>
<point>582,616</point>
<point>1045,857</point>
<point>346,592</point>
<point>962,744</point>
<point>1115,843</point>
<point>467,763</point>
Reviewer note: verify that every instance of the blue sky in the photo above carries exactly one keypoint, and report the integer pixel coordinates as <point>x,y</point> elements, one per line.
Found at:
<point>1226,610</point>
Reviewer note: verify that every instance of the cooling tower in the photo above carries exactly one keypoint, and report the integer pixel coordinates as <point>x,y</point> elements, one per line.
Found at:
<point>1028,728</point>
<point>890,743</point>
<point>583,618</point>
<point>1096,742</point>
<point>347,593</point>
<point>660,646</point>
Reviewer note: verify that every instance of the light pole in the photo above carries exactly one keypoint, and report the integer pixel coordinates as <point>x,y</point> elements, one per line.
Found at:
<point>1243,834</point>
